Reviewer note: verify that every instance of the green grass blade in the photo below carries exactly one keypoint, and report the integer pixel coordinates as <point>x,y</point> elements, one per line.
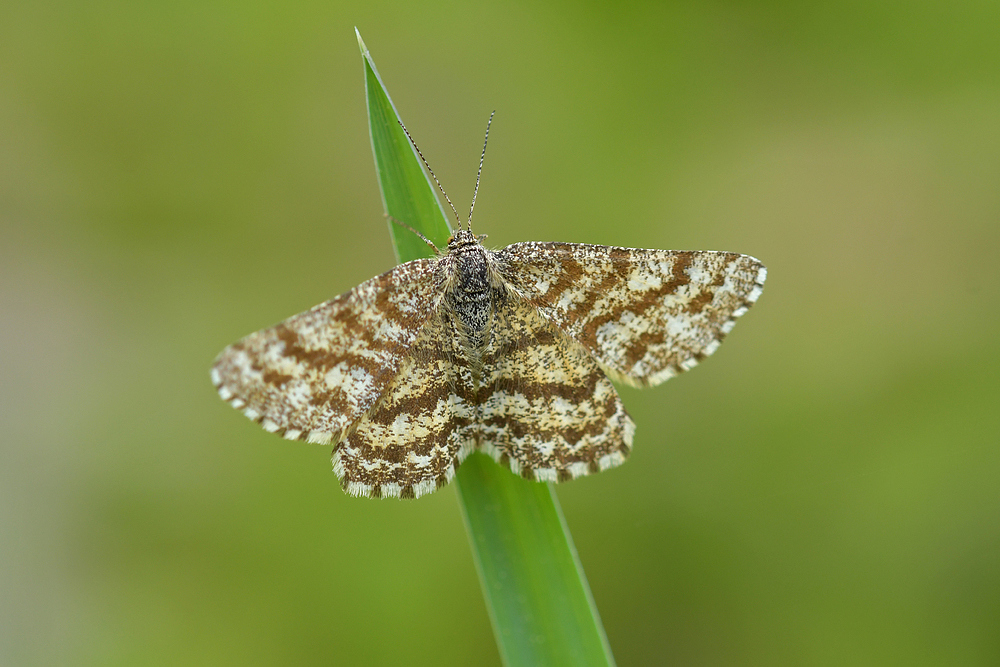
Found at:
<point>535,589</point>
<point>406,193</point>
<point>536,593</point>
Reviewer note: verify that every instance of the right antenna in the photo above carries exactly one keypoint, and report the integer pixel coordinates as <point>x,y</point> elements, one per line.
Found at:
<point>478,175</point>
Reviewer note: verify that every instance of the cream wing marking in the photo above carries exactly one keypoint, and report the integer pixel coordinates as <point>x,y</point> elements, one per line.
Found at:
<point>315,374</point>
<point>645,315</point>
<point>411,442</point>
<point>546,408</point>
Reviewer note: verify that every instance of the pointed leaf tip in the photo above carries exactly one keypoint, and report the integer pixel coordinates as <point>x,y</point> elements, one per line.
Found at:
<point>361,42</point>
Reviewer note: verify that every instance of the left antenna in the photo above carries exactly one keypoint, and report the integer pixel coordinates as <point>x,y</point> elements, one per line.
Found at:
<point>424,160</point>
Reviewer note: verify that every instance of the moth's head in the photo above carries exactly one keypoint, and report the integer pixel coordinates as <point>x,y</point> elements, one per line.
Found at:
<point>462,238</point>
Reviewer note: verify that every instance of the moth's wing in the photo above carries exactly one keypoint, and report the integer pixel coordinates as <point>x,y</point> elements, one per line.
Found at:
<point>411,442</point>
<point>645,315</point>
<point>547,410</point>
<point>315,374</point>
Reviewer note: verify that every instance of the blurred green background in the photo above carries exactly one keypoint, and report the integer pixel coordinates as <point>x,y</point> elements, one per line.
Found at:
<point>175,175</point>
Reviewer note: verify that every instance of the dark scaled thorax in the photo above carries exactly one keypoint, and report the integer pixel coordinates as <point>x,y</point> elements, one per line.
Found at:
<point>473,289</point>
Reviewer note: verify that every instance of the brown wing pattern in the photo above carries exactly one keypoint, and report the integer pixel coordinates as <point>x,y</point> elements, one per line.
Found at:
<point>546,409</point>
<point>315,374</point>
<point>645,315</point>
<point>413,439</point>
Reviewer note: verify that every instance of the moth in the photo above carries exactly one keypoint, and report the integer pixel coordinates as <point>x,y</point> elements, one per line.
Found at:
<point>508,352</point>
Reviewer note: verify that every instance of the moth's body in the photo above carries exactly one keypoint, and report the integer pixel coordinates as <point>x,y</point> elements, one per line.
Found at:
<point>499,351</point>
<point>473,291</point>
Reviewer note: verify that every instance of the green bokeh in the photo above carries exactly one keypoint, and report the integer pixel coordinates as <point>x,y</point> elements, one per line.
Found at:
<point>825,490</point>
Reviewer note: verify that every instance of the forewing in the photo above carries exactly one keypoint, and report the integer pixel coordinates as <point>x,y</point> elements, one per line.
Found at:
<point>413,439</point>
<point>315,374</point>
<point>645,315</point>
<point>547,410</point>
